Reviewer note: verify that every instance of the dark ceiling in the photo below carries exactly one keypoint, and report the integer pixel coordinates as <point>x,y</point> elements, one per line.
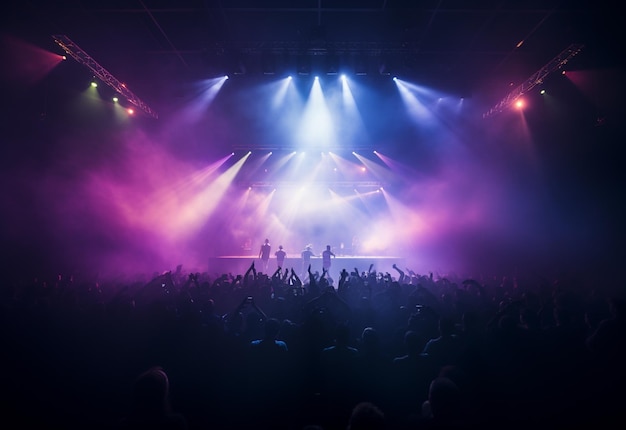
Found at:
<point>460,45</point>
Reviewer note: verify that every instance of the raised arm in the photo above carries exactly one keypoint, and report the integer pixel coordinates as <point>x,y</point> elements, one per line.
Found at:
<point>313,287</point>
<point>343,277</point>
<point>286,276</point>
<point>246,278</point>
<point>296,280</point>
<point>258,309</point>
<point>400,273</point>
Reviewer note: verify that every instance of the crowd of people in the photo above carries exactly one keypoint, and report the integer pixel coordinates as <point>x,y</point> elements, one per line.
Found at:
<point>371,350</point>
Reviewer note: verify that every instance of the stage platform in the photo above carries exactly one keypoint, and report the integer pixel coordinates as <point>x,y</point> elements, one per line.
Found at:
<point>238,264</point>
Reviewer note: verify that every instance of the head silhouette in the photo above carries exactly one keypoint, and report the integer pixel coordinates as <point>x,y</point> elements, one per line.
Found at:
<point>151,391</point>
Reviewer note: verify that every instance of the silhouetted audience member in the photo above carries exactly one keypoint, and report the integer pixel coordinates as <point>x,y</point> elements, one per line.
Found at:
<point>608,341</point>
<point>446,348</point>
<point>366,416</point>
<point>268,379</point>
<point>150,404</point>
<point>444,407</point>
<point>607,379</point>
<point>411,375</point>
<point>373,368</point>
<point>338,365</point>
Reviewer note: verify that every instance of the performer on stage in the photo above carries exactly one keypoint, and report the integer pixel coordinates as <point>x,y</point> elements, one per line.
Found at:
<point>306,258</point>
<point>326,255</point>
<point>264,254</point>
<point>280,256</point>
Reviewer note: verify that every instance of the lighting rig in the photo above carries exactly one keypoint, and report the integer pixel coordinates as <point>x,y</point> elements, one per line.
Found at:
<point>535,79</point>
<point>83,58</point>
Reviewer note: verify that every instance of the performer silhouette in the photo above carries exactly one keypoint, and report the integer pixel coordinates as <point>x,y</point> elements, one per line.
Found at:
<point>326,255</point>
<point>306,254</point>
<point>264,254</point>
<point>280,256</point>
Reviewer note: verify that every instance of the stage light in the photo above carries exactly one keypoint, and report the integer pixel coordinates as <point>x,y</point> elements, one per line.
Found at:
<point>542,92</point>
<point>115,99</point>
<point>94,84</point>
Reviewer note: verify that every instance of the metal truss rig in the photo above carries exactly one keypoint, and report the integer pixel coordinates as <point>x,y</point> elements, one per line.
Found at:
<point>535,79</point>
<point>83,58</point>
<point>372,185</point>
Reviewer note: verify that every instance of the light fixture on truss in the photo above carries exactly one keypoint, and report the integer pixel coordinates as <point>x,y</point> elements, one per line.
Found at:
<point>535,79</point>
<point>83,58</point>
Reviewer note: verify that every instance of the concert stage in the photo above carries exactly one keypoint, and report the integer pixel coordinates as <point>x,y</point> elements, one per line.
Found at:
<point>238,264</point>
